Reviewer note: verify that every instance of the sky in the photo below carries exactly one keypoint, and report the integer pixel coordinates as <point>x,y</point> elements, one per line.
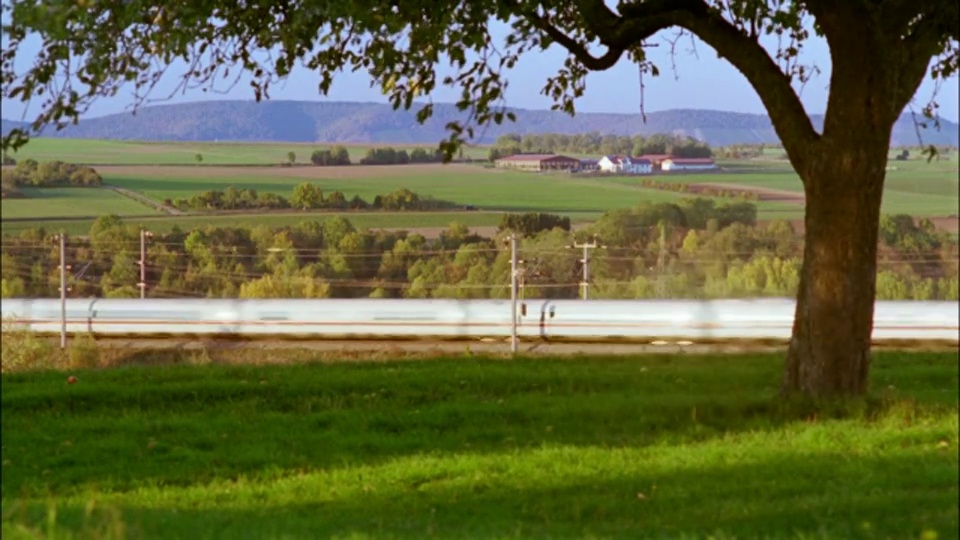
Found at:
<point>702,81</point>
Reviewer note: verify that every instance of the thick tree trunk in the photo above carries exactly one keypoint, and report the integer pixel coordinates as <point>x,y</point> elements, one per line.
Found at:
<point>829,353</point>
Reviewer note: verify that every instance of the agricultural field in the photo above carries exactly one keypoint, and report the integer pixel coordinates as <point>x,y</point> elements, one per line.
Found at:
<point>647,446</point>
<point>914,187</point>
<point>71,202</point>
<point>103,152</point>
<point>100,152</point>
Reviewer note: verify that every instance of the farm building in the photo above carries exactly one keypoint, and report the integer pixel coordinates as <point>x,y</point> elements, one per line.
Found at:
<point>690,164</point>
<point>589,165</point>
<point>538,162</point>
<point>656,159</point>
<point>625,164</point>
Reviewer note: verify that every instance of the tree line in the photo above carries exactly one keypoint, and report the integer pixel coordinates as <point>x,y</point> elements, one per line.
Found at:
<point>339,155</point>
<point>597,144</point>
<point>692,249</point>
<point>306,196</point>
<point>30,173</point>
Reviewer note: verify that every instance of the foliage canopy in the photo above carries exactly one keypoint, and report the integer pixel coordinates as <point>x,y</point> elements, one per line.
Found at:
<point>93,48</point>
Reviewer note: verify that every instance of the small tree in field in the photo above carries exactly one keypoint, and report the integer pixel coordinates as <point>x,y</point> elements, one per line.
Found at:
<point>881,51</point>
<point>199,158</point>
<point>291,157</point>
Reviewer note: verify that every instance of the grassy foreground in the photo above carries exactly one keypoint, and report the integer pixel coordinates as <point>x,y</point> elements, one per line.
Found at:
<point>606,447</point>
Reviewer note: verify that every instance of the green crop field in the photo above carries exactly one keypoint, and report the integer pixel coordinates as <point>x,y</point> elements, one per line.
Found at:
<point>490,190</point>
<point>102,152</point>
<point>639,447</point>
<point>68,202</point>
<point>913,187</point>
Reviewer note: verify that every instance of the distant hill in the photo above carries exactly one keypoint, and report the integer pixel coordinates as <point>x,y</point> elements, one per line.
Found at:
<point>307,121</point>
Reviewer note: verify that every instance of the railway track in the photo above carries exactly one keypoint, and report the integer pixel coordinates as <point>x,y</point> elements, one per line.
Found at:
<point>486,347</point>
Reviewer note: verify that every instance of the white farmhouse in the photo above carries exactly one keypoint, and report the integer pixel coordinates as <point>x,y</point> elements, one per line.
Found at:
<point>625,164</point>
<point>688,164</point>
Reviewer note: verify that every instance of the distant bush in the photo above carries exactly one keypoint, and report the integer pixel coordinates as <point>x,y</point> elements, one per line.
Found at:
<point>678,187</point>
<point>7,160</point>
<point>392,156</point>
<point>231,199</point>
<point>8,187</point>
<point>53,173</point>
<point>385,156</point>
<point>307,196</point>
<point>326,158</point>
<point>531,223</point>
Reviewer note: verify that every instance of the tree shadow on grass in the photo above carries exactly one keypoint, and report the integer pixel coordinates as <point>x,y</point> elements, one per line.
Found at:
<point>120,429</point>
<point>819,495</point>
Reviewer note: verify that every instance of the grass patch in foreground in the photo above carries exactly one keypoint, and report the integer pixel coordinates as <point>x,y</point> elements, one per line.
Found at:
<point>638,447</point>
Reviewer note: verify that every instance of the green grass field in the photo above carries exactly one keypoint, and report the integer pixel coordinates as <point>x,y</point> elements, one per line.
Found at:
<point>100,152</point>
<point>68,202</point>
<point>641,447</point>
<point>502,191</point>
<point>913,187</point>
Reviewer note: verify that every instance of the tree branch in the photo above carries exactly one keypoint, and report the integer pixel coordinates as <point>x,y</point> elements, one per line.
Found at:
<point>581,53</point>
<point>787,113</point>
<point>641,20</point>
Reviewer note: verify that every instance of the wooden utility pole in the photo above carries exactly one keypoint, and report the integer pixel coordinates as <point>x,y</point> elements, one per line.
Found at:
<point>513,293</point>
<point>585,284</point>
<point>62,237</point>
<point>144,234</point>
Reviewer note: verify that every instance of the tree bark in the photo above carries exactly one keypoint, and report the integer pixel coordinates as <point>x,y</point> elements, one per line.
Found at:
<point>829,353</point>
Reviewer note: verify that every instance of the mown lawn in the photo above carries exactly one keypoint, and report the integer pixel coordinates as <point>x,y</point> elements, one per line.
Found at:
<point>653,446</point>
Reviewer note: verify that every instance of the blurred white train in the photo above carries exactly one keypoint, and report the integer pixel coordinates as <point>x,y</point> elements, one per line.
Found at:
<point>768,319</point>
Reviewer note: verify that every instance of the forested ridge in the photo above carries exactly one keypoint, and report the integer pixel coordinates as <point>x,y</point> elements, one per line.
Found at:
<point>352,122</point>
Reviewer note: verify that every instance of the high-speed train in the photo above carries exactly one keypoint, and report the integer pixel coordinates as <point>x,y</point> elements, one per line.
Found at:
<point>562,320</point>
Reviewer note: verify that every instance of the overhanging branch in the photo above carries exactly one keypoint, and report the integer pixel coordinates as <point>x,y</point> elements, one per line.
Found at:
<point>591,62</point>
<point>787,113</point>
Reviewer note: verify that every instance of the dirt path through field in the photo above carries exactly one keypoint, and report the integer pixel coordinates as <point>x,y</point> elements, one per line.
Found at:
<point>143,199</point>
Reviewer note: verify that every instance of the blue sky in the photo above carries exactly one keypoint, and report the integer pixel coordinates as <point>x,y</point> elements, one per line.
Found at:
<point>703,82</point>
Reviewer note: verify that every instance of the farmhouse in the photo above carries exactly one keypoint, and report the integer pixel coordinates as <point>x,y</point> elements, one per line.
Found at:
<point>688,164</point>
<point>656,159</point>
<point>625,164</point>
<point>538,162</point>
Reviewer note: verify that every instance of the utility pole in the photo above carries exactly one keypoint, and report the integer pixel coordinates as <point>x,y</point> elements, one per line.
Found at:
<point>585,284</point>
<point>513,293</point>
<point>62,237</point>
<point>144,234</point>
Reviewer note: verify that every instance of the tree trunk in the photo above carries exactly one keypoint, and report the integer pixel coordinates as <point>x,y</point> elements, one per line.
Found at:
<point>829,352</point>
